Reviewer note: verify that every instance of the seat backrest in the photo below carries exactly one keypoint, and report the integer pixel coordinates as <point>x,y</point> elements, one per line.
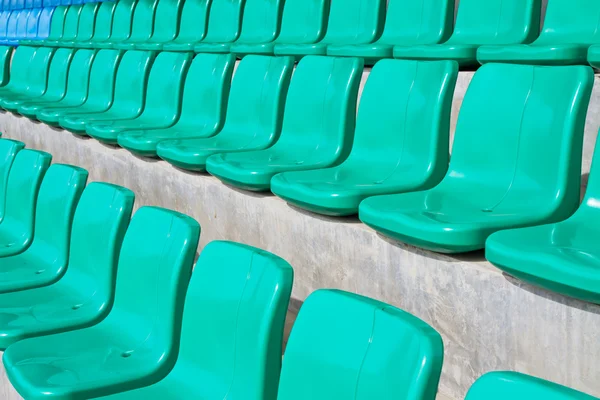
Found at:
<point>262,21</point>
<point>6,4</point>
<point>233,323</point>
<point>142,25</point>
<point>87,21</point>
<point>53,3</point>
<point>257,97</point>
<point>410,22</point>
<point>517,386</point>
<point>79,75</point>
<point>8,152</point>
<point>355,21</point>
<point>325,88</point>
<point>497,22</point>
<point>103,78</point>
<point>28,3</point>
<point>6,53</point>
<point>194,20</point>
<point>571,22</point>
<point>11,25</point>
<point>206,91</point>
<point>104,20</point>
<point>122,20</point>
<point>58,72</point>
<point>72,22</point>
<point>31,27</point>
<point>155,265</point>
<point>56,202</point>
<point>303,21</point>
<point>408,104</point>
<point>521,107</point>
<point>17,4</point>
<point>22,24</point>
<point>166,22</point>
<point>21,62</point>
<point>224,21</point>
<point>37,74</point>
<point>44,24</point>
<point>4,17</point>
<point>37,4</point>
<point>99,226</point>
<point>346,346</point>
<point>132,77</point>
<point>57,23</point>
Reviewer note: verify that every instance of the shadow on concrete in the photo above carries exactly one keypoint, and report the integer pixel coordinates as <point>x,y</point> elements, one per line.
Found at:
<point>290,319</point>
<point>346,220</point>
<point>259,195</point>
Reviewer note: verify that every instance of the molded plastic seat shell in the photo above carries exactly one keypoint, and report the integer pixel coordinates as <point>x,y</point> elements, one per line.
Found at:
<point>401,142</point>
<point>260,27</point>
<point>193,25</point>
<point>56,28</point>
<point>325,88</point>
<point>19,67</point>
<point>142,25</point>
<point>498,178</point>
<point>224,26</point>
<point>102,27</point>
<point>121,25</point>
<point>6,53</point>
<point>70,28</point>
<point>8,152</point>
<point>166,25</point>
<point>86,26</point>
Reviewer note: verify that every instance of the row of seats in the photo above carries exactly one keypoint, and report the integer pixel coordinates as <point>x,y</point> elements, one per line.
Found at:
<point>96,303</point>
<point>21,4</point>
<point>252,132</point>
<point>27,24</point>
<point>485,31</point>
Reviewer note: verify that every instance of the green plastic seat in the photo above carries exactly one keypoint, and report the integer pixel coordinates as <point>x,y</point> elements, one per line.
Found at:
<point>24,179</point>
<point>205,94</point>
<point>8,152</point>
<point>142,25</point>
<point>408,23</point>
<point>401,142</point>
<point>254,114</point>
<point>498,178</point>
<point>570,27</point>
<point>137,343</point>
<point>324,88</point>
<point>350,22</point>
<point>102,26</point>
<point>77,88</point>
<point>163,100</point>
<point>86,26</point>
<point>6,53</point>
<point>99,94</point>
<point>70,28</point>
<point>21,62</point>
<point>345,346</point>
<point>56,28</point>
<point>121,25</point>
<point>490,22</point>
<point>224,26</point>
<point>594,56</point>
<point>80,294</point>
<point>129,94</point>
<point>260,27</point>
<point>193,25</point>
<point>503,385</point>
<point>232,331</point>
<point>166,25</point>
<point>46,259</point>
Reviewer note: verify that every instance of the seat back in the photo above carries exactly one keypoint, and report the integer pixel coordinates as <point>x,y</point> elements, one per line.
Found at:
<point>87,21</point>
<point>6,53</point>
<point>257,98</point>
<point>71,23</point>
<point>21,62</point>
<point>44,23</point>
<point>166,22</point>
<point>56,202</point>
<point>571,22</point>
<point>11,25</point>
<point>37,74</point>
<point>410,22</point>
<point>4,17</point>
<point>21,32</point>
<point>103,78</point>
<point>31,27</point>
<point>104,19</point>
<point>521,107</point>
<point>122,20</point>
<point>516,386</point>
<point>303,21</point>
<point>57,23</point>
<point>206,91</point>
<point>57,74</point>
<point>79,76</point>
<point>497,22</point>
<point>131,80</point>
<point>408,105</point>
<point>233,323</point>
<point>346,346</point>
<point>8,152</point>
<point>262,21</point>
<point>155,266</point>
<point>28,3</point>
<point>194,21</point>
<point>224,21</point>
<point>37,3</point>
<point>325,88</point>
<point>17,4</point>
<point>355,21</point>
<point>99,224</point>
<point>142,25</point>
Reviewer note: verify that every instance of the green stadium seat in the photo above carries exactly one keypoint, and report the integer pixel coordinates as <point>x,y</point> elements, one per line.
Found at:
<point>24,179</point>
<point>324,88</point>
<point>121,25</point>
<point>37,76</point>
<point>232,331</point>
<point>203,107</point>
<point>6,53</point>
<point>192,28</point>
<point>408,23</point>
<point>345,346</point>
<point>56,28</point>
<point>224,26</point>
<point>137,343</point>
<point>162,103</point>
<point>594,56</point>
<point>129,94</point>
<point>85,28</point>
<point>260,27</point>
<point>102,26</point>
<point>99,93</point>
<point>77,87</point>
<point>490,22</point>
<point>570,27</point>
<point>8,152</point>
<point>394,151</point>
<point>70,28</point>
<point>46,259</point>
<point>80,294</point>
<point>166,25</point>
<point>254,114</point>
<point>55,88</point>
<point>498,178</point>
<point>141,27</point>
<point>350,22</point>
<point>21,62</point>
<point>504,385</point>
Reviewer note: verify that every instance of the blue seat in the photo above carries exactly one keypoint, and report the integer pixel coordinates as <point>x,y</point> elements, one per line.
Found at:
<point>6,4</point>
<point>43,30</point>
<point>22,25</point>
<point>37,3</point>
<point>28,3</point>
<point>4,16</point>
<point>54,3</point>
<point>17,4</point>
<point>11,29</point>
<point>31,28</point>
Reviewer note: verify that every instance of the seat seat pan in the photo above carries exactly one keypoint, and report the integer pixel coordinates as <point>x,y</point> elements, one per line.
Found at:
<point>212,47</point>
<point>144,142</point>
<point>103,131</point>
<point>560,54</point>
<point>11,242</point>
<point>154,46</point>
<point>179,46</point>
<point>24,271</point>
<point>464,54</point>
<point>370,52</point>
<point>301,50</point>
<point>249,48</point>
<point>125,45</point>
<point>101,45</point>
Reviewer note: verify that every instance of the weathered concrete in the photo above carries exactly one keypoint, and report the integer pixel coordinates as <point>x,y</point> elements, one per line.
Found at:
<point>488,320</point>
